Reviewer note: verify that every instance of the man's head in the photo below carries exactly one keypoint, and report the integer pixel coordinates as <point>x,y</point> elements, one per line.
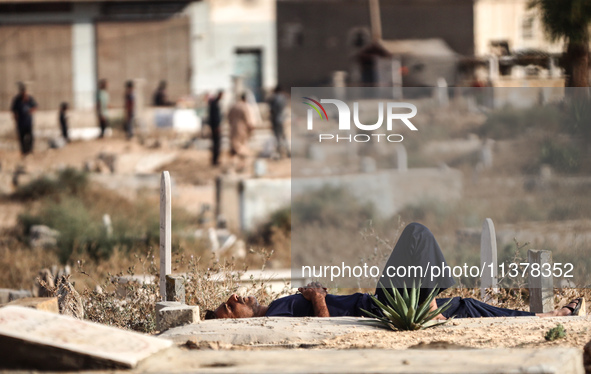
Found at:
<point>22,88</point>
<point>103,84</point>
<point>238,307</point>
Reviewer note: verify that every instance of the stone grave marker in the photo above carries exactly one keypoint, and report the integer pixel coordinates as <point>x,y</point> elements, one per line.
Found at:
<point>541,289</point>
<point>401,158</point>
<point>165,231</point>
<point>488,256</point>
<point>32,339</point>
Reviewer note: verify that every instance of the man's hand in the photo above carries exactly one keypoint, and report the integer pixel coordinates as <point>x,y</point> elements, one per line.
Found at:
<point>315,293</point>
<point>313,290</point>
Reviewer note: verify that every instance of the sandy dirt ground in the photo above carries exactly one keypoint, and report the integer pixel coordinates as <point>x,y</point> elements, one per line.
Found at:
<point>477,333</point>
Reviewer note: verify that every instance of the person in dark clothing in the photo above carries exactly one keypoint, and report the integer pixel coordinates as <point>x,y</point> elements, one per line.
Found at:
<point>416,242</point>
<point>22,108</point>
<point>277,104</point>
<point>160,98</point>
<point>129,100</point>
<point>63,118</point>
<point>215,120</point>
<point>102,106</point>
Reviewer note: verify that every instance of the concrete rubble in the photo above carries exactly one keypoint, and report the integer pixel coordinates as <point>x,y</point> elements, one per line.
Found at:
<point>32,339</point>
<point>170,314</point>
<point>8,295</point>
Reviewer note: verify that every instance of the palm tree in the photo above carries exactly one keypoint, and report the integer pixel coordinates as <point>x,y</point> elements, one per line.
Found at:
<point>569,20</point>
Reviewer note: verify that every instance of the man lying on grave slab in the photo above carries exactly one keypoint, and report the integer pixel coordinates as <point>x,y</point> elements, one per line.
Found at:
<point>416,246</point>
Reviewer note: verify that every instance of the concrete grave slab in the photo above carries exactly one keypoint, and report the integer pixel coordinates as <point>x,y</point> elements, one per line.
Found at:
<point>33,339</point>
<point>45,304</point>
<point>268,330</point>
<point>309,331</point>
<point>485,361</point>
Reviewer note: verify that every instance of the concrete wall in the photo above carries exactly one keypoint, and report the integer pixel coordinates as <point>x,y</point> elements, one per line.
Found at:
<point>59,50</point>
<point>248,203</point>
<point>218,29</point>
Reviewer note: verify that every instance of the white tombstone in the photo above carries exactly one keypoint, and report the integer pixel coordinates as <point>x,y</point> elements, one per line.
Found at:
<point>488,256</point>
<point>316,153</point>
<point>441,93</point>
<point>401,158</point>
<point>165,231</point>
<point>260,168</point>
<point>108,225</point>
<point>368,165</point>
<point>486,154</point>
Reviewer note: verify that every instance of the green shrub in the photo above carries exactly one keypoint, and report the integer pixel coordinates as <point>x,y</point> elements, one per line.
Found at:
<point>403,312</point>
<point>563,157</point>
<point>280,220</point>
<point>578,117</point>
<point>68,181</point>
<point>555,333</point>
<point>508,122</point>
<point>522,210</point>
<point>330,207</point>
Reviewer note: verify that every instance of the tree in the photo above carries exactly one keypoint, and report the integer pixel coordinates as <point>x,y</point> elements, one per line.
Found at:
<point>569,20</point>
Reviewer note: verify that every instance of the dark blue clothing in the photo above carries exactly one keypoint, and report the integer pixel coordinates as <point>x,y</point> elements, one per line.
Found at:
<point>215,113</point>
<point>23,112</point>
<point>416,247</point>
<point>351,305</point>
<point>338,306</point>
<point>472,308</point>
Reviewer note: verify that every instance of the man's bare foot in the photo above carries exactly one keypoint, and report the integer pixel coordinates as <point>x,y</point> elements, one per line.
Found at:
<point>574,308</point>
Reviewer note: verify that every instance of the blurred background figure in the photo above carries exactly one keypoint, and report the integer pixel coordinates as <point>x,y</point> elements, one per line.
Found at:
<point>241,127</point>
<point>23,106</point>
<point>129,100</point>
<point>160,98</point>
<point>63,118</point>
<point>277,103</point>
<point>215,119</point>
<point>102,106</point>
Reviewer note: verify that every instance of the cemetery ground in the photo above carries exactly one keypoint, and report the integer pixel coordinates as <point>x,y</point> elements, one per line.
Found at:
<point>517,192</point>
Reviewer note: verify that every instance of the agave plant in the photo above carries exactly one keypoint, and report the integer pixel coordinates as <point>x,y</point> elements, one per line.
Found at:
<point>403,312</point>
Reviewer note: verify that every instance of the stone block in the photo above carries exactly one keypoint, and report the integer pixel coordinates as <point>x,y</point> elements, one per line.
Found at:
<point>42,236</point>
<point>4,294</point>
<point>175,288</point>
<point>18,294</point>
<point>174,315</point>
<point>44,304</point>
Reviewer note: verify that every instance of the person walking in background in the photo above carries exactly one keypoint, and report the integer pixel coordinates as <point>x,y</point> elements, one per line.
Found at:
<point>277,104</point>
<point>160,97</point>
<point>102,106</point>
<point>63,118</point>
<point>129,100</point>
<point>241,127</point>
<point>215,119</point>
<point>22,108</point>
